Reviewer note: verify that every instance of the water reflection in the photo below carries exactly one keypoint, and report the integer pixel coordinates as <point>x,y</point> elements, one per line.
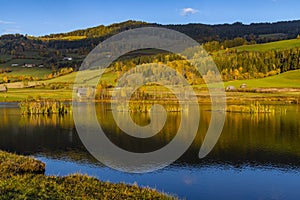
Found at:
<point>260,150</point>
<point>52,135</point>
<point>261,139</point>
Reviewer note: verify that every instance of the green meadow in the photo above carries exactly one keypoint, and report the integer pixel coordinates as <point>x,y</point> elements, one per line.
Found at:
<point>35,72</point>
<point>289,79</point>
<point>279,45</point>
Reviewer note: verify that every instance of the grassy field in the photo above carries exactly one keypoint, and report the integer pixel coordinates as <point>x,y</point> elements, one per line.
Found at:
<point>280,45</point>
<point>23,178</point>
<point>88,76</point>
<point>289,79</point>
<point>19,72</point>
<point>36,73</point>
<point>24,93</point>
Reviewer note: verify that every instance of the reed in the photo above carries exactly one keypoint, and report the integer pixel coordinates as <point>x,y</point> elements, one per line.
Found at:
<point>254,108</point>
<point>145,107</point>
<point>32,107</point>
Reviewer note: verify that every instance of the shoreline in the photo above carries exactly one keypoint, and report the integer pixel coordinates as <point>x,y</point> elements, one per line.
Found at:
<point>203,97</point>
<point>24,177</point>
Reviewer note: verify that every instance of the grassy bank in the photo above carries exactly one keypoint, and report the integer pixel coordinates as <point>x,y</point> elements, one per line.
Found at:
<point>23,178</point>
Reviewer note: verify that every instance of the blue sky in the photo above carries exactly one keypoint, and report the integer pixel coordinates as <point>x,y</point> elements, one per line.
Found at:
<point>42,17</point>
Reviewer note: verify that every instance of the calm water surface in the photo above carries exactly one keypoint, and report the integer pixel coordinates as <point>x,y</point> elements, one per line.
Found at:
<point>256,157</point>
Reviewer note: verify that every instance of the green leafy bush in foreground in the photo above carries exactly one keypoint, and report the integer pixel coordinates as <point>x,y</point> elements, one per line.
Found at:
<point>23,178</point>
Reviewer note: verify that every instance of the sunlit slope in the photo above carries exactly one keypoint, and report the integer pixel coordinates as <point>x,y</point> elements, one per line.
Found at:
<point>289,79</point>
<point>87,76</point>
<point>279,45</point>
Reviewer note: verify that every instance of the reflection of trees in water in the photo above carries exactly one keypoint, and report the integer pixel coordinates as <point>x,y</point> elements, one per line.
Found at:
<point>73,155</point>
<point>65,121</point>
<point>4,116</point>
<point>121,139</point>
<point>268,131</point>
<point>262,139</point>
<point>127,142</point>
<point>265,139</point>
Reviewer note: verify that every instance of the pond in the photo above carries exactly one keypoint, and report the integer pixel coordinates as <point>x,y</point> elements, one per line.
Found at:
<point>256,157</point>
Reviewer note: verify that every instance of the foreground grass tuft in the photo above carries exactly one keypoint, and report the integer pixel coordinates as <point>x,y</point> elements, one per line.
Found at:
<point>16,164</point>
<point>23,178</point>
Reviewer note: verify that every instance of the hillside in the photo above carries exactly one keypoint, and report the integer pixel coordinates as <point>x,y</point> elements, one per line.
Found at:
<point>244,62</point>
<point>260,32</point>
<point>279,45</point>
<point>289,79</point>
<point>96,32</point>
<point>35,58</point>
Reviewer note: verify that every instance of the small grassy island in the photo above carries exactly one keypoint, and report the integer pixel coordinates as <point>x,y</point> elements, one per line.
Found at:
<point>23,177</point>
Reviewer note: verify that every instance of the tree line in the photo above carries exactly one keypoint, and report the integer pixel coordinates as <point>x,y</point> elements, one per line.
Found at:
<point>231,63</point>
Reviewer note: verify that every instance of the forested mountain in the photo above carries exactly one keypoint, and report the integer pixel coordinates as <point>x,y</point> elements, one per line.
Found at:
<point>101,31</point>
<point>84,40</point>
<point>69,49</point>
<point>88,38</point>
<point>260,32</point>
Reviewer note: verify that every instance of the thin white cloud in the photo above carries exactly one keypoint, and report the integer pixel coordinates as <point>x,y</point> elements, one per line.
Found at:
<point>188,11</point>
<point>6,22</point>
<point>10,31</point>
